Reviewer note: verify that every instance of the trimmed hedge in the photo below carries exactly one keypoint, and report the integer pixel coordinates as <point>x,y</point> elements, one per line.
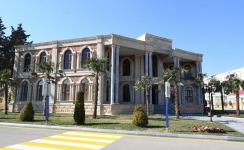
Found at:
<point>139,116</point>
<point>79,112</point>
<point>27,112</point>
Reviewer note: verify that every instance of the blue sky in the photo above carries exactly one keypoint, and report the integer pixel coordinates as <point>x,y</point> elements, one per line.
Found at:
<point>214,28</point>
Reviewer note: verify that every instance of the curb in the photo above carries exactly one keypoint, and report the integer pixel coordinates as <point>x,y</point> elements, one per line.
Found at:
<point>139,133</point>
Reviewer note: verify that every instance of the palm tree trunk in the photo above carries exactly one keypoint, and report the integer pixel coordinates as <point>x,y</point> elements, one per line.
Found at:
<point>6,97</point>
<point>222,99</point>
<point>177,110</point>
<point>96,97</point>
<point>237,103</point>
<point>212,101</point>
<point>204,100</point>
<point>147,101</point>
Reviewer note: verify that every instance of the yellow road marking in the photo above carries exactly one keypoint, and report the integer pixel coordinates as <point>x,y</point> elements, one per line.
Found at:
<point>84,136</point>
<point>63,147</point>
<point>99,133</point>
<point>73,141</point>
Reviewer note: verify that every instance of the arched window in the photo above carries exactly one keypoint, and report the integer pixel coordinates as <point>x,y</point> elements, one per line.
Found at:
<point>84,84</point>
<point>66,90</point>
<point>187,72</point>
<point>39,96</point>
<point>24,91</point>
<point>126,67</point>
<point>27,63</point>
<point>189,95</point>
<point>67,59</point>
<point>126,93</point>
<point>85,55</point>
<point>155,65</point>
<point>43,57</point>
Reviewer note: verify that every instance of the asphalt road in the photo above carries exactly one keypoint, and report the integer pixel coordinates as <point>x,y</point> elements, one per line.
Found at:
<point>13,137</point>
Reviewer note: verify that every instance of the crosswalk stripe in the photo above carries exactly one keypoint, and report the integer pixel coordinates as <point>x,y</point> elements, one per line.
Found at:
<point>69,144</point>
<point>84,136</point>
<point>69,141</point>
<point>93,135</point>
<point>75,141</point>
<point>62,147</point>
<point>81,139</point>
<point>7,148</point>
<point>25,147</point>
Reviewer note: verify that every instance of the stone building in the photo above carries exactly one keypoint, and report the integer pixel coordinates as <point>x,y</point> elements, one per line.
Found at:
<point>230,99</point>
<point>129,60</point>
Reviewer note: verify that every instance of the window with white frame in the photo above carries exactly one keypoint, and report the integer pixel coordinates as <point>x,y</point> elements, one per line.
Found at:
<point>66,90</point>
<point>24,91</point>
<point>27,63</point>
<point>39,88</point>
<point>84,87</point>
<point>43,57</point>
<point>126,67</point>
<point>189,95</point>
<point>67,59</point>
<point>85,55</point>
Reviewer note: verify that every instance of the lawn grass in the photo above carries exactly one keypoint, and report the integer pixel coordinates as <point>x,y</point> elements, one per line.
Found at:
<point>124,122</point>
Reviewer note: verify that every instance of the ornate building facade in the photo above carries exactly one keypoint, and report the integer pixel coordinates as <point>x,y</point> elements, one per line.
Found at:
<point>230,99</point>
<point>129,59</point>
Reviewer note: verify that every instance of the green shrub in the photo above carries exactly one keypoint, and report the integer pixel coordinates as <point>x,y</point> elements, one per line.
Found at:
<point>139,116</point>
<point>138,108</point>
<point>27,112</point>
<point>79,112</point>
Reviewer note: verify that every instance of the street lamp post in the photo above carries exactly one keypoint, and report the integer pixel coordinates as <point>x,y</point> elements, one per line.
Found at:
<point>210,90</point>
<point>167,97</point>
<point>46,92</point>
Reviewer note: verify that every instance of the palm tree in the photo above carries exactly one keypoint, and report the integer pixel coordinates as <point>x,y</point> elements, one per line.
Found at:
<point>6,81</point>
<point>174,75</point>
<point>199,79</point>
<point>233,85</point>
<point>98,66</point>
<point>217,88</point>
<point>146,84</point>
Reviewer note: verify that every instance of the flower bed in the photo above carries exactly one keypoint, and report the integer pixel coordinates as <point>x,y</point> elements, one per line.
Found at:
<point>208,129</point>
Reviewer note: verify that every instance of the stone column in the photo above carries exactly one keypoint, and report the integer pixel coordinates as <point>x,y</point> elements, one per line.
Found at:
<point>142,72</point>
<point>112,74</point>
<point>150,64</point>
<point>16,64</point>
<point>54,60</point>
<point>150,74</point>
<point>59,91</point>
<point>176,61</point>
<point>161,89</point>
<point>146,72</point>
<point>137,77</point>
<point>117,75</point>
<point>199,95</point>
<point>78,60</point>
<point>61,62</point>
<point>72,61</point>
<point>100,55</point>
